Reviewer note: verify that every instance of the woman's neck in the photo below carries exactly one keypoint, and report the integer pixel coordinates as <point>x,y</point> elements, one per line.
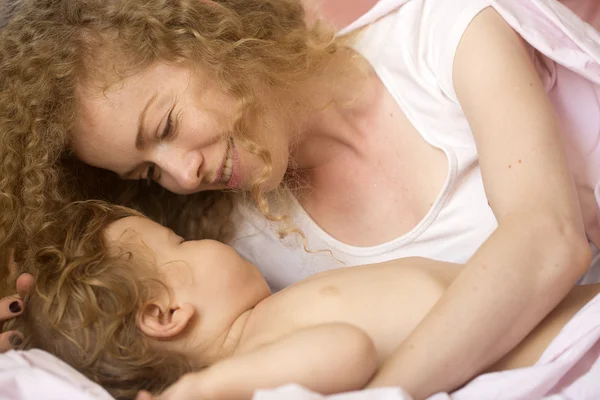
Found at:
<point>339,123</point>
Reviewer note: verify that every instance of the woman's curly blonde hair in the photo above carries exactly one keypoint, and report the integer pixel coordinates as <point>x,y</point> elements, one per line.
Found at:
<point>260,51</point>
<point>86,300</point>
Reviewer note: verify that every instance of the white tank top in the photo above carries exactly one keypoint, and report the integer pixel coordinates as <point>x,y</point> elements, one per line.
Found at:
<point>411,46</point>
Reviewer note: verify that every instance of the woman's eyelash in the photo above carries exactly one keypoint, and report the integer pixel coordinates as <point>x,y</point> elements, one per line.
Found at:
<point>166,133</point>
<point>151,171</point>
<point>168,127</point>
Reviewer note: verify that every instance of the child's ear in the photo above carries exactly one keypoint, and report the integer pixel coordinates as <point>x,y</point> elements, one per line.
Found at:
<point>164,321</point>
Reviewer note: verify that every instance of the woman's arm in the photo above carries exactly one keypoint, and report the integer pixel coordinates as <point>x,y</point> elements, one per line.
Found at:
<point>539,249</point>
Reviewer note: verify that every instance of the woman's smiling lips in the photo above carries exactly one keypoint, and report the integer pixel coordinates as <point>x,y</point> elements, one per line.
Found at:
<point>235,181</point>
<point>224,172</point>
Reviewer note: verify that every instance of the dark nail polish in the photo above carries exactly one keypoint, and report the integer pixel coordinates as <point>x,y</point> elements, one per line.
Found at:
<point>15,340</point>
<point>15,307</point>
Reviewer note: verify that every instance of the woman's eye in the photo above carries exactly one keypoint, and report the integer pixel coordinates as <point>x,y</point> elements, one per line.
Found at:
<point>168,128</point>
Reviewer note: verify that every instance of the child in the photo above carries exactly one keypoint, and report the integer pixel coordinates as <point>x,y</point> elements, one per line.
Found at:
<point>134,307</point>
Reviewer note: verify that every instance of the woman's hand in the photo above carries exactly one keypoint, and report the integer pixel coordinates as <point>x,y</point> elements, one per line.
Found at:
<point>10,307</point>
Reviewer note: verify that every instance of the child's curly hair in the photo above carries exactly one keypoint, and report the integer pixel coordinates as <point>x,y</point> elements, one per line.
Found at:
<point>86,301</point>
<point>261,52</point>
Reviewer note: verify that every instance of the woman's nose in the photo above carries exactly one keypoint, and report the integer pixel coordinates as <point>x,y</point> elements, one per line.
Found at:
<point>183,167</point>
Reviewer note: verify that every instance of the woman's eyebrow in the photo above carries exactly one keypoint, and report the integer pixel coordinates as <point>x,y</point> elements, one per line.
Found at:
<point>139,139</point>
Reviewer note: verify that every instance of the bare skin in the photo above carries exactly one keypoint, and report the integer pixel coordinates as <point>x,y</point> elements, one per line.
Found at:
<point>350,319</point>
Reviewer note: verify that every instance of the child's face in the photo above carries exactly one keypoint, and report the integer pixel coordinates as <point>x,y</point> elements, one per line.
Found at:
<point>207,274</point>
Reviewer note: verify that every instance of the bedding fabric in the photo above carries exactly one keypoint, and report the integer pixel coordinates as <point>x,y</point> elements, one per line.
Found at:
<point>37,375</point>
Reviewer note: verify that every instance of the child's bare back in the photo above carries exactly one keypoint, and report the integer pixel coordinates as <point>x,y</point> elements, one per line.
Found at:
<point>386,301</point>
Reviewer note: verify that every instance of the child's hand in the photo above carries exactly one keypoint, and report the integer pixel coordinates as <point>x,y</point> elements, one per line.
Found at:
<point>186,388</point>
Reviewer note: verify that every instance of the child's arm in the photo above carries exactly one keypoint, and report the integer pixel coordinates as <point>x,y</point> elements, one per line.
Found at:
<point>329,358</point>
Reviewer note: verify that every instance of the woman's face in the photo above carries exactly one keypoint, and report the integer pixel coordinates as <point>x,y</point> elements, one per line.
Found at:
<point>174,126</point>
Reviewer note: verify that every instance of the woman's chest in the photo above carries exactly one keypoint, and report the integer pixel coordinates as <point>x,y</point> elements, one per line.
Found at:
<point>459,221</point>
<point>383,191</point>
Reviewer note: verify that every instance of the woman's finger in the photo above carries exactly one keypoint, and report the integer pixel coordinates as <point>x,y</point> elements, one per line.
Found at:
<point>25,283</point>
<point>143,395</point>
<point>10,307</point>
<point>10,340</point>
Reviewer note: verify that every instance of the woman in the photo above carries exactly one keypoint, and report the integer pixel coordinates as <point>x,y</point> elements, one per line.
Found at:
<point>242,95</point>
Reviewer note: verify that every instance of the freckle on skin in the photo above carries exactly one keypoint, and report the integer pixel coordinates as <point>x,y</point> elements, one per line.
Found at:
<point>510,166</point>
<point>330,290</point>
<point>520,162</point>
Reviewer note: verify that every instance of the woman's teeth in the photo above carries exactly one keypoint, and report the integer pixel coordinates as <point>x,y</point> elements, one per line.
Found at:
<point>226,175</point>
